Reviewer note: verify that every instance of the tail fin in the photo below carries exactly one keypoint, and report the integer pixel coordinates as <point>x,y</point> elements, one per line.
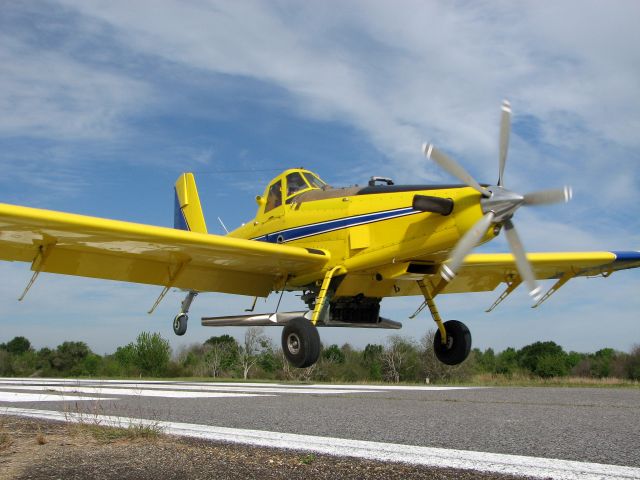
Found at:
<point>188,211</point>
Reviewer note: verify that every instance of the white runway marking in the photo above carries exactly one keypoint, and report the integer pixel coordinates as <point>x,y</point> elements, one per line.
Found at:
<point>256,388</point>
<point>41,397</point>
<point>140,392</point>
<point>388,452</point>
<point>413,388</point>
<point>176,389</point>
<point>169,389</point>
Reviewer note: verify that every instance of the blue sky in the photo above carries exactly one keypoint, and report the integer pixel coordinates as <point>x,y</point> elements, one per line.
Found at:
<point>104,104</point>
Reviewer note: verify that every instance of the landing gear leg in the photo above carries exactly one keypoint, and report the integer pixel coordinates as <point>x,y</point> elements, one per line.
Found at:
<point>300,338</point>
<point>180,320</point>
<point>452,341</point>
<point>428,301</point>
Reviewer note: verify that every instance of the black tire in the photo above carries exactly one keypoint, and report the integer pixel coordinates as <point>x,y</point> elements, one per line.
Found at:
<point>301,343</point>
<point>180,324</point>
<point>458,345</point>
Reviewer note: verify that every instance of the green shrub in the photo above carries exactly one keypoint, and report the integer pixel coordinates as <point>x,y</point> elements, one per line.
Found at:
<point>333,354</point>
<point>551,365</point>
<point>633,364</point>
<point>18,346</point>
<point>152,354</point>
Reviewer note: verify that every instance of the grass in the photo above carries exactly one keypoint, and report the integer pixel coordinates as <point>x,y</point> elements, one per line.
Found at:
<point>89,423</point>
<point>5,438</point>
<point>307,459</point>
<point>108,434</point>
<point>520,380</point>
<point>5,441</point>
<point>41,439</point>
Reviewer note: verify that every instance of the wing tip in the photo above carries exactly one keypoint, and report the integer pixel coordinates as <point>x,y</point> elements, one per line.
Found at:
<point>627,256</point>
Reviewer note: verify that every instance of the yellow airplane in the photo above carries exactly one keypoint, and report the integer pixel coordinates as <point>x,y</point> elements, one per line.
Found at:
<point>344,249</point>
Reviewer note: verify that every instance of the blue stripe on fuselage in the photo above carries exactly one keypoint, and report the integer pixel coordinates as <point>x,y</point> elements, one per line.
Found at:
<point>303,231</point>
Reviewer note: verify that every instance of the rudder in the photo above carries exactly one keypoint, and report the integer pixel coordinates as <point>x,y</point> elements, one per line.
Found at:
<point>188,211</point>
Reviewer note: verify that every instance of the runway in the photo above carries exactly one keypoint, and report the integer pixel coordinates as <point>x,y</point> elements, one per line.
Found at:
<point>536,432</point>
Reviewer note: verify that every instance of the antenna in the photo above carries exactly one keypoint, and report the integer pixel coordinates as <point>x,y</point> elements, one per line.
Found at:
<point>223,225</point>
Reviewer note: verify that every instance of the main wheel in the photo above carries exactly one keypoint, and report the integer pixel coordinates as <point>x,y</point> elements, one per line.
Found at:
<point>180,324</point>
<point>458,344</point>
<point>301,343</point>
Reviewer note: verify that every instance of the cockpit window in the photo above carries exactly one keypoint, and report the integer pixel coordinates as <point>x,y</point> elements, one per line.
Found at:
<point>295,183</point>
<point>314,181</point>
<point>274,197</point>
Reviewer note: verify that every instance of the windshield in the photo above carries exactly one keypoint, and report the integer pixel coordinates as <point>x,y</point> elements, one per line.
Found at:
<point>274,197</point>
<point>314,181</point>
<point>295,183</point>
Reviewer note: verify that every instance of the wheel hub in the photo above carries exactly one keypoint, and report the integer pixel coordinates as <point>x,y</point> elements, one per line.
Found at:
<point>449,343</point>
<point>293,343</point>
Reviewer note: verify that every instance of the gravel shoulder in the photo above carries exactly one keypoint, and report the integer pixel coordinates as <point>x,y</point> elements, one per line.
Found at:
<point>34,449</point>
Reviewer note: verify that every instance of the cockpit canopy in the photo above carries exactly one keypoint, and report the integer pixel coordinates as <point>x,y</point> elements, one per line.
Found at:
<point>287,186</point>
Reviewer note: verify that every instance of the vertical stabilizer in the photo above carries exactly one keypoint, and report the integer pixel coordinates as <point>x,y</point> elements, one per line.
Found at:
<point>188,211</point>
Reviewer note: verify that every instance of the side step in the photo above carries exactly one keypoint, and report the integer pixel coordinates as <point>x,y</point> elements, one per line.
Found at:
<point>283,318</point>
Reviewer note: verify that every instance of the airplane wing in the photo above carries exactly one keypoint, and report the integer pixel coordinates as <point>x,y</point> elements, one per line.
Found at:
<point>86,246</point>
<point>485,271</point>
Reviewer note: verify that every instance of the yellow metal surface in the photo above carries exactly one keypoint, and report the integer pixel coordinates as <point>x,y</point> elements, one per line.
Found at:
<point>359,237</point>
<point>541,260</point>
<point>433,310</point>
<point>321,299</point>
<point>416,236</point>
<point>480,273</point>
<point>377,260</point>
<point>110,249</point>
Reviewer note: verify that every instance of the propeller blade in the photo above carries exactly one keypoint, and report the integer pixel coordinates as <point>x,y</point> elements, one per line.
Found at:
<point>544,197</point>
<point>522,263</point>
<point>464,246</point>
<point>505,130</point>
<point>453,167</point>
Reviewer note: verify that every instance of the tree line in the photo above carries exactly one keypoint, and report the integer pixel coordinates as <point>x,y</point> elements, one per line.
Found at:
<point>255,356</point>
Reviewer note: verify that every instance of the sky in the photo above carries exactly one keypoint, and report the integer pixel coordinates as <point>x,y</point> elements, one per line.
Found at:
<point>105,103</point>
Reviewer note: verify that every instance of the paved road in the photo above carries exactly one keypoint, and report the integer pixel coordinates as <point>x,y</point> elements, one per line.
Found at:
<point>583,424</point>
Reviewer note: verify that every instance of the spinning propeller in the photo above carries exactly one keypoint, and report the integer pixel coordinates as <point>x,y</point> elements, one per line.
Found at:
<point>498,205</point>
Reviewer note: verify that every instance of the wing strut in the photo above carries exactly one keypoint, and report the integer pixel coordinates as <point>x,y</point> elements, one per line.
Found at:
<point>172,280</point>
<point>511,286</point>
<point>37,265</point>
<point>556,286</point>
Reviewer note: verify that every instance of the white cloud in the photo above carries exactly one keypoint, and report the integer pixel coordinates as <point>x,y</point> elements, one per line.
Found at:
<point>48,94</point>
<point>414,70</point>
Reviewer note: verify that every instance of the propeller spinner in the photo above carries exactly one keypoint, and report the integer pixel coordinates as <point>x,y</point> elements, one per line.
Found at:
<point>498,205</point>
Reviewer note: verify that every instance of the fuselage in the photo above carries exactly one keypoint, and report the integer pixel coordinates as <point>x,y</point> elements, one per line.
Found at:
<point>371,230</point>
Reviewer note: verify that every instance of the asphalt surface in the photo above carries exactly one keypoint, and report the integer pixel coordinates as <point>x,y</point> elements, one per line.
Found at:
<point>598,425</point>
